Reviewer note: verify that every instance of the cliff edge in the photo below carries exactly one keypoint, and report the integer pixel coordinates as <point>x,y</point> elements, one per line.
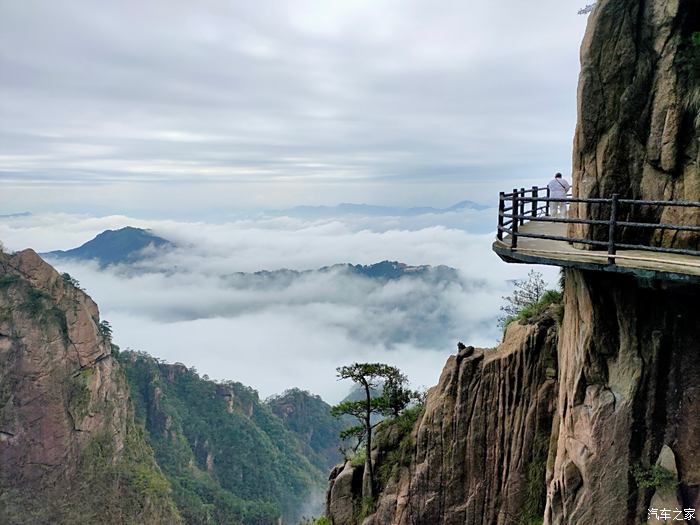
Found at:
<point>478,451</point>
<point>69,449</point>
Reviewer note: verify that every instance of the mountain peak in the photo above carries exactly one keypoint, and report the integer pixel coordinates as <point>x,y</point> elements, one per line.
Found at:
<point>125,245</point>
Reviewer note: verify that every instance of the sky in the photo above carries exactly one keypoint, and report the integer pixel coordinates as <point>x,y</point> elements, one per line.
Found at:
<point>199,109</point>
<point>207,121</point>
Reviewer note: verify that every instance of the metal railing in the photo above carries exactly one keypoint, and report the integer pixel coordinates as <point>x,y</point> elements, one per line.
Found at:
<point>536,207</point>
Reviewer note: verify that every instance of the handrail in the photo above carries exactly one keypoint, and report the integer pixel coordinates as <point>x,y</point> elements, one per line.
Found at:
<point>536,208</point>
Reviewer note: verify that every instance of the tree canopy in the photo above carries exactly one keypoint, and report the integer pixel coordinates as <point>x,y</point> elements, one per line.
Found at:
<point>395,396</point>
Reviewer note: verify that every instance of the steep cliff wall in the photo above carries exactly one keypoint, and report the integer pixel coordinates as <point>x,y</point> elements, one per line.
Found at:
<point>477,454</point>
<point>630,385</point>
<point>69,449</point>
<point>638,107</point>
<point>629,350</point>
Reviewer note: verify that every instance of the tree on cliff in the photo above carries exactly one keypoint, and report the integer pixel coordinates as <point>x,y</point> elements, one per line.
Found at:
<point>526,293</point>
<point>394,398</point>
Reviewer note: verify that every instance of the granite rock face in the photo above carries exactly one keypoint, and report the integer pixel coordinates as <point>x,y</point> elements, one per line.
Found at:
<point>66,423</point>
<point>59,380</point>
<point>638,105</point>
<point>629,361</point>
<point>477,454</point>
<point>629,350</point>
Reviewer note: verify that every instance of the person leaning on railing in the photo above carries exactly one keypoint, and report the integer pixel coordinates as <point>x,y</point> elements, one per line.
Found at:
<point>558,189</point>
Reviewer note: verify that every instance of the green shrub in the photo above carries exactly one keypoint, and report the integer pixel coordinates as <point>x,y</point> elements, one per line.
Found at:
<point>34,303</point>
<point>402,454</point>
<point>407,419</point>
<point>80,393</point>
<point>358,460</point>
<point>549,298</point>
<point>653,477</point>
<point>8,280</point>
<point>70,280</point>
<point>688,58</point>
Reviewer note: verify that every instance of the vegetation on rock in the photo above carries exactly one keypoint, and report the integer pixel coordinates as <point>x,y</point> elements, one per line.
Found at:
<point>394,398</point>
<point>229,458</point>
<point>70,451</point>
<point>654,476</point>
<point>310,419</point>
<point>529,299</point>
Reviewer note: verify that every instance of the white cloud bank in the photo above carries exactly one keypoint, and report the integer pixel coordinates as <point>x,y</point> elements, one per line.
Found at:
<point>189,305</point>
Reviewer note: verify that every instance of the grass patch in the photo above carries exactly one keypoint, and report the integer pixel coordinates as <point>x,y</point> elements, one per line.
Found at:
<point>40,306</point>
<point>532,511</point>
<point>80,394</point>
<point>407,419</point>
<point>34,302</point>
<point>358,460</point>
<point>400,456</point>
<point>366,509</point>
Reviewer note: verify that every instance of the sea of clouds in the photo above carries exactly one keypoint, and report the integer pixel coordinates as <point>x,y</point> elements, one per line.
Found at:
<point>191,305</point>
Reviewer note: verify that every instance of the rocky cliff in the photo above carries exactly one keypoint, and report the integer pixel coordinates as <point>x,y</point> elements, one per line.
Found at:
<point>628,354</point>
<point>477,453</point>
<point>616,417</point>
<point>69,449</point>
<point>638,114</point>
<point>629,361</point>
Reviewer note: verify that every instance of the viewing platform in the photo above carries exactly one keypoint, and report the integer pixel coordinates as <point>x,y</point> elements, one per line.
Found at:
<point>528,234</point>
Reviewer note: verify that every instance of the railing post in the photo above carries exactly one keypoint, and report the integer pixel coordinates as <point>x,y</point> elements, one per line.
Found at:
<point>522,206</point>
<point>514,226</point>
<point>546,211</point>
<point>535,194</point>
<point>501,207</point>
<point>612,228</point>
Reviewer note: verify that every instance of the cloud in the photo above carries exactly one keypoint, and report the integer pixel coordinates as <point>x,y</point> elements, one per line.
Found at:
<point>199,304</point>
<point>219,104</point>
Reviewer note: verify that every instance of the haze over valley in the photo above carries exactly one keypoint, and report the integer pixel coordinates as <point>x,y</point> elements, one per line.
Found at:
<point>271,301</point>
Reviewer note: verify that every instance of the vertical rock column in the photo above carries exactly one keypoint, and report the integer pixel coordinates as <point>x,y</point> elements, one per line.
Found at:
<point>638,105</point>
<point>629,364</point>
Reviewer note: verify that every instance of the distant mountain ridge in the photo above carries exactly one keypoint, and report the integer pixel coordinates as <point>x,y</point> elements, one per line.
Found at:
<point>126,245</point>
<point>347,208</point>
<point>16,215</point>
<point>384,270</point>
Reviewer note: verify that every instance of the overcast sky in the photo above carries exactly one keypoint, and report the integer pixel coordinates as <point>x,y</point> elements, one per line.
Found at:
<point>186,116</point>
<point>178,108</point>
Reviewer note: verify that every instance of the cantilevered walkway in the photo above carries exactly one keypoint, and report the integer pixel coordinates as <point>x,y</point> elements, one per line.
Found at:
<point>527,234</point>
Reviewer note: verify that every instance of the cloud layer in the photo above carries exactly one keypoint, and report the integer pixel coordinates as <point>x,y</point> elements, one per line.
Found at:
<point>191,305</point>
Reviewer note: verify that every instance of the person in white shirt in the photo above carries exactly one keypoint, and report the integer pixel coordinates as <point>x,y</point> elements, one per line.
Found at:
<point>558,188</point>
